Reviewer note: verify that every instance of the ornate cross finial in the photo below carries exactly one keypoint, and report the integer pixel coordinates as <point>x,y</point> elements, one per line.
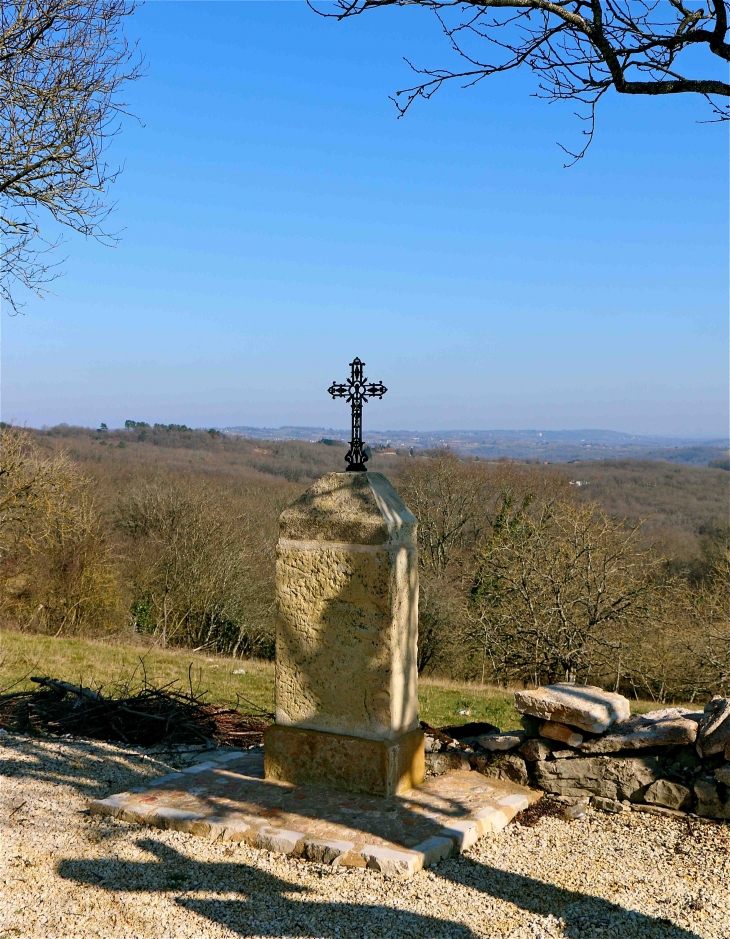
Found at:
<point>357,391</point>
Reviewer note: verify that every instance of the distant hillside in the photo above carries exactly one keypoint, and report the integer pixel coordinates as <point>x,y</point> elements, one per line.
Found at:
<point>689,498</point>
<point>683,502</point>
<point>682,505</point>
<point>549,446</point>
<point>180,449</point>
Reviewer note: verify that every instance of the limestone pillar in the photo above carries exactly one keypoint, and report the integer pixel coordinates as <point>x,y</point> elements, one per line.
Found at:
<point>346,635</point>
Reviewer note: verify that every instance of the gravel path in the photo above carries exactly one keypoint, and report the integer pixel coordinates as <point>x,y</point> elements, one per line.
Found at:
<point>65,873</point>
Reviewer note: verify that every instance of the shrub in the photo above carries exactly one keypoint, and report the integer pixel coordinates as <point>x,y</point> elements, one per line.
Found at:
<point>57,567</point>
<point>190,563</point>
<point>555,585</point>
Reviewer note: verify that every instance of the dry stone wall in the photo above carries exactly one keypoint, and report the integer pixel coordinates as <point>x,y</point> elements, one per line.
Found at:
<point>581,743</point>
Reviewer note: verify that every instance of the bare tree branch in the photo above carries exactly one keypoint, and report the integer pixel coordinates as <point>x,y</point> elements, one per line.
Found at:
<point>578,49</point>
<point>62,65</point>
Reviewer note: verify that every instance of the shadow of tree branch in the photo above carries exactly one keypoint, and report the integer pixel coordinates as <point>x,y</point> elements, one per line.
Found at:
<point>266,907</point>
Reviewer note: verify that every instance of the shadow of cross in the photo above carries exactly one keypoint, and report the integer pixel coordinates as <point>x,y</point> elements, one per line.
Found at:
<point>266,908</point>
<point>237,794</point>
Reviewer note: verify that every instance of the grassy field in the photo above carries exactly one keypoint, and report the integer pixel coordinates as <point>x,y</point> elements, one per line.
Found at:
<point>94,663</point>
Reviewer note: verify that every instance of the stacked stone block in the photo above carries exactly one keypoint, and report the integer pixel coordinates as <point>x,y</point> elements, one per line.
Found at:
<point>580,742</point>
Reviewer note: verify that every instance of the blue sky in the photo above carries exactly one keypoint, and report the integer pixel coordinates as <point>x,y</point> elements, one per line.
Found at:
<point>278,220</point>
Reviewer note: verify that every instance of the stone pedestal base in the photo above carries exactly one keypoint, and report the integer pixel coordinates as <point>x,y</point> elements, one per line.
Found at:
<point>353,764</point>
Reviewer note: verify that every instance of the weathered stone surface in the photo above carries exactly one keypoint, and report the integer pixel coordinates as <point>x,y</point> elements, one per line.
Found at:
<point>112,805</point>
<point>347,594</point>
<point>709,801</point>
<point>609,777</point>
<point>349,508</point>
<point>501,766</point>
<point>669,794</point>
<point>439,763</point>
<point>494,818</point>
<point>392,862</point>
<point>199,767</point>
<point>279,840</point>
<point>561,732</point>
<point>491,819</point>
<point>668,727</point>
<point>535,749</point>
<point>354,764</point>
<point>714,728</point>
<point>464,833</point>
<point>507,741</point>
<point>564,754</point>
<point>657,810</point>
<point>513,804</point>
<point>434,849</point>
<point>326,852</point>
<point>583,706</point>
<point>175,819</point>
<point>722,774</point>
<point>608,805</point>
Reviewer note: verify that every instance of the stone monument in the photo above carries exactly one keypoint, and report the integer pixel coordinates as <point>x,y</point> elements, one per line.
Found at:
<point>346,633</point>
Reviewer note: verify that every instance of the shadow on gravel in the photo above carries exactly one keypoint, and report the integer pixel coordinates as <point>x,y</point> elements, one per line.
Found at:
<point>86,766</point>
<point>267,909</point>
<point>584,916</point>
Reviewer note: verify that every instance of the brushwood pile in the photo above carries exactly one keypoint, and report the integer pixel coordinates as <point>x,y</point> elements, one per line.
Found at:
<point>145,716</point>
<point>579,743</point>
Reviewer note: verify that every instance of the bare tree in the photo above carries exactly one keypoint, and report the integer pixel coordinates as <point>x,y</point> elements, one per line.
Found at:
<point>578,49</point>
<point>552,589</point>
<point>35,488</point>
<point>195,581</point>
<point>448,497</point>
<point>62,65</point>
<point>456,502</point>
<point>56,566</point>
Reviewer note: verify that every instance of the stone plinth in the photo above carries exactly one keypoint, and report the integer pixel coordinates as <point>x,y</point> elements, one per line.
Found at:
<point>346,635</point>
<point>226,798</point>
<point>355,764</point>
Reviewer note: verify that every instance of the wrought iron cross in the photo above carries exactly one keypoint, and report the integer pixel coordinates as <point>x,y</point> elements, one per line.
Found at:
<point>356,391</point>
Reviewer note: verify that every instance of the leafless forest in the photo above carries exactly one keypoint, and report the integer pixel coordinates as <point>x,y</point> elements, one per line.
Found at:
<point>614,572</point>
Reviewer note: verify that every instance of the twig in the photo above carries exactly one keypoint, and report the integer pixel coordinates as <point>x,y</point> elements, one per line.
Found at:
<point>22,677</point>
<point>64,686</point>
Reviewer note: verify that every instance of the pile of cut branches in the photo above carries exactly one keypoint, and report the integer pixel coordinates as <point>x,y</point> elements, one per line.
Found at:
<point>147,717</point>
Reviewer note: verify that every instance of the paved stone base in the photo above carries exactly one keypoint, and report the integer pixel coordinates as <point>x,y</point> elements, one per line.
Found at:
<point>228,799</point>
<point>353,764</point>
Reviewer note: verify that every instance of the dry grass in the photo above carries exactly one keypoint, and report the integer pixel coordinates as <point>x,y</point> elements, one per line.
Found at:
<point>441,700</point>
<point>90,662</point>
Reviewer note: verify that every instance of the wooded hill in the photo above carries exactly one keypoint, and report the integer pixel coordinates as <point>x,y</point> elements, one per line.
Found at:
<point>171,531</point>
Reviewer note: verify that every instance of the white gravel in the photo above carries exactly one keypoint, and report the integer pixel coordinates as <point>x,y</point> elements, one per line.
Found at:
<point>65,873</point>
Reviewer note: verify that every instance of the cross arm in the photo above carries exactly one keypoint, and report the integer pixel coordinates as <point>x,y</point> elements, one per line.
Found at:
<point>376,389</point>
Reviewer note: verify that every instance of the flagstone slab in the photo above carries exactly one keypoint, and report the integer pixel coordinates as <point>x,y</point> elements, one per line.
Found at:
<point>230,800</point>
